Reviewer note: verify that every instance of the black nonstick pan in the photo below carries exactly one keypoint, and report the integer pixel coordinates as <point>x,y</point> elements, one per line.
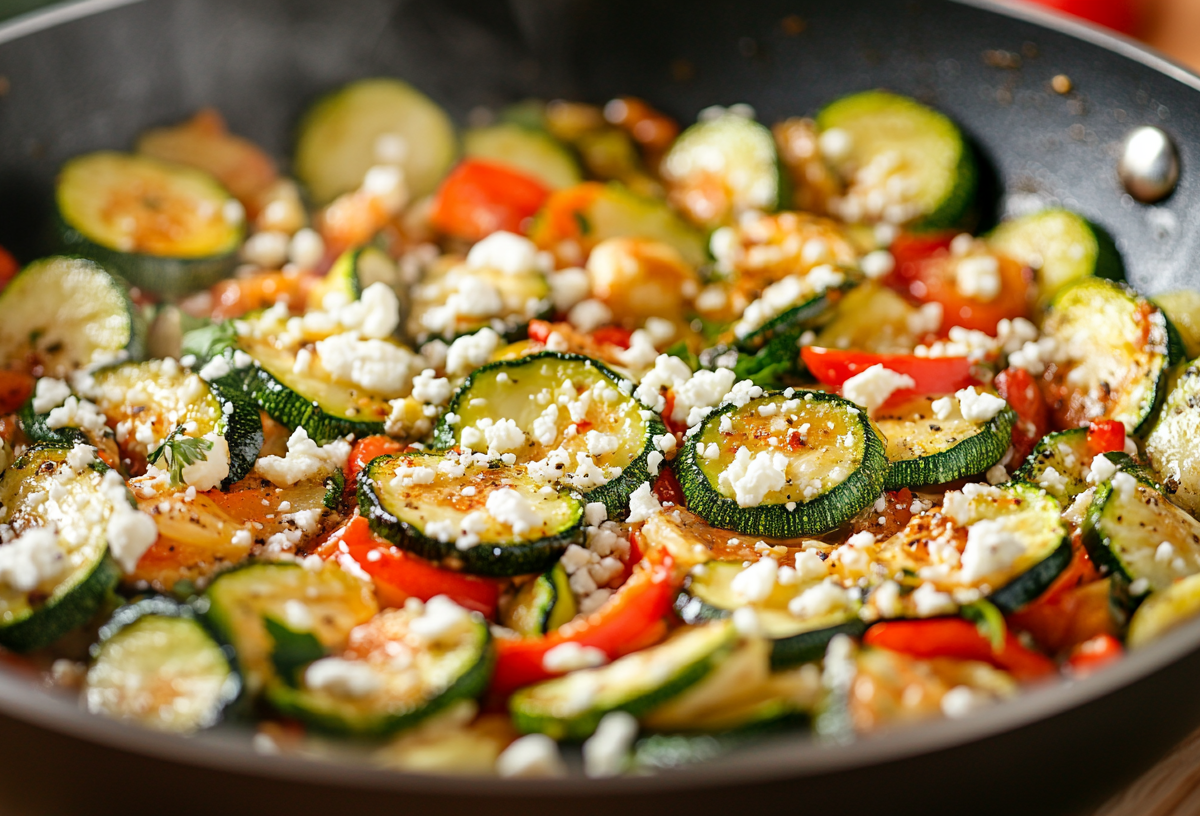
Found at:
<point>93,74</point>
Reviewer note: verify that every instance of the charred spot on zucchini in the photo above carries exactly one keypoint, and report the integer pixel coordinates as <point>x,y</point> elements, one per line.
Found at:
<point>783,465</point>
<point>155,664</point>
<point>923,449</point>
<point>68,518</point>
<point>1116,352</point>
<point>571,706</point>
<point>873,137</point>
<point>62,314</point>
<point>164,227</point>
<point>481,519</point>
<point>577,421</point>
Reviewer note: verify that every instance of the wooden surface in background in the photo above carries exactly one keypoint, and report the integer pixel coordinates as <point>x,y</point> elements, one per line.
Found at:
<point>1171,788</point>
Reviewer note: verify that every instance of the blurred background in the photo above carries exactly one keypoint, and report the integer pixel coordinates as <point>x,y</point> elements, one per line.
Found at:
<point>1171,26</point>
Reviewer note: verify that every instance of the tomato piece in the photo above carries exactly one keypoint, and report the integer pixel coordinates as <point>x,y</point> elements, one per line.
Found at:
<point>932,375</point>
<point>366,449</point>
<point>481,197</point>
<point>1105,435</point>
<point>626,622</point>
<point>1094,654</point>
<point>1115,14</point>
<point>926,271</point>
<point>15,388</point>
<point>539,331</point>
<point>400,575</point>
<point>958,638</point>
<point>8,267</point>
<point>613,336</point>
<point>666,487</point>
<point>1021,391</point>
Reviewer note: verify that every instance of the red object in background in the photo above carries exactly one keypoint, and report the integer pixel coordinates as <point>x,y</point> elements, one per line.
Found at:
<point>1115,14</point>
<point>15,388</point>
<point>1018,387</point>
<point>480,197</point>
<point>1094,654</point>
<point>958,638</point>
<point>931,375</point>
<point>926,272</point>
<point>8,267</point>
<point>1105,435</point>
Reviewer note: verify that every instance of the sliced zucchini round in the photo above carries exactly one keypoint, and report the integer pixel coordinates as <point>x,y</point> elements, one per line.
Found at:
<point>1023,511</point>
<point>369,122</point>
<point>417,501</point>
<point>724,166</point>
<point>708,594</point>
<point>440,302</point>
<point>1163,611</point>
<point>156,665</point>
<point>352,272</point>
<point>1068,454</point>
<point>1060,246</point>
<point>924,450</point>
<point>1173,446</point>
<point>164,227</point>
<point>1125,530</point>
<point>530,150</point>
<point>405,675</point>
<point>812,307</point>
<point>324,604</point>
<point>41,490</point>
<point>570,707</point>
<point>523,391</point>
<point>1117,348</point>
<point>152,399</point>
<point>871,318</point>
<point>898,137</point>
<point>541,605</point>
<point>789,466</point>
<point>63,314</point>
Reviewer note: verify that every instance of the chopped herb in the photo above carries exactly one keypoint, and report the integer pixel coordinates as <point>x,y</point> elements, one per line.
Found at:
<point>180,451</point>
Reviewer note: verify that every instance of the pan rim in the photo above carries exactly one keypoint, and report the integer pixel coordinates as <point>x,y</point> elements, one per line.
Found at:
<point>788,758</point>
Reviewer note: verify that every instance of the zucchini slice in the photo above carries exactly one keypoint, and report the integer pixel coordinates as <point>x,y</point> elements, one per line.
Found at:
<point>1134,532</point>
<point>62,314</point>
<point>156,665</point>
<point>547,395</point>
<point>1060,246</point>
<point>369,122</point>
<point>791,306</point>
<point>541,605</point>
<point>872,318</point>
<point>395,673</point>
<point>1117,349</point>
<point>1068,455</point>
<point>352,272</point>
<point>164,227</point>
<point>41,490</point>
<point>328,600</point>
<point>986,563</point>
<point>708,594</point>
<point>530,150</point>
<point>570,707</point>
<point>1173,446</point>
<point>460,300</point>
<point>882,136</point>
<point>1162,611</point>
<point>789,465</point>
<point>722,167</point>
<point>148,401</point>
<point>924,450</point>
<point>1182,309</point>
<point>503,524</point>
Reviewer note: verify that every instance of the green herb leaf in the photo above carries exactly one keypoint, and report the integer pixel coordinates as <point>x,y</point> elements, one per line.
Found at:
<point>989,621</point>
<point>293,650</point>
<point>180,451</point>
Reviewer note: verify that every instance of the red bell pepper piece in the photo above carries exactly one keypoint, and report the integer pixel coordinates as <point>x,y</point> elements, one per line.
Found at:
<point>612,336</point>
<point>1105,435</point>
<point>8,267</point>
<point>1033,416</point>
<point>1094,654</point>
<point>366,449</point>
<point>666,487</point>
<point>482,197</point>
<point>932,375</point>
<point>958,638</point>
<point>15,388</point>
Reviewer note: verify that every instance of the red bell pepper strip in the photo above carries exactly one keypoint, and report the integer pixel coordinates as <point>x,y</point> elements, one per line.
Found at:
<point>15,388</point>
<point>1105,435</point>
<point>958,638</point>
<point>622,625</point>
<point>8,267</point>
<point>1033,416</point>
<point>482,197</point>
<point>1094,654</point>
<point>366,449</point>
<point>932,375</point>
<point>400,575</point>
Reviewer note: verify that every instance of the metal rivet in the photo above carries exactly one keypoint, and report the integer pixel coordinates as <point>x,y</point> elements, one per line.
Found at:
<point>1149,166</point>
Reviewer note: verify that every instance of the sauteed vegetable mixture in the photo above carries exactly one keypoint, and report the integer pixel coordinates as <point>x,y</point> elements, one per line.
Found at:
<point>578,427</point>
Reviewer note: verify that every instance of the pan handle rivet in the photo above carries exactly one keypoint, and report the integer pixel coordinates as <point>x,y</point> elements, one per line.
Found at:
<point>1149,165</point>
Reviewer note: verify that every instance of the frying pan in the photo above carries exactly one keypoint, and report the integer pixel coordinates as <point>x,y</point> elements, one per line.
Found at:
<point>93,74</point>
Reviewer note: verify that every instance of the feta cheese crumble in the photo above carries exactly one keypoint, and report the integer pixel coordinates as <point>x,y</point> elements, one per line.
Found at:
<point>872,388</point>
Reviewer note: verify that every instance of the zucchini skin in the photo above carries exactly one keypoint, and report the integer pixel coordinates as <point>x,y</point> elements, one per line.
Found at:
<point>793,322</point>
<point>243,432</point>
<point>972,455</point>
<point>73,608</point>
<point>824,513</point>
<point>1029,585</point>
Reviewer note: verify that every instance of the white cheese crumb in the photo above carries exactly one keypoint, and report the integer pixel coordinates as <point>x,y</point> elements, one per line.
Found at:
<point>754,583</point>
<point>642,504</point>
<point>508,506</point>
<point>352,679</point>
<point>49,393</point>
<point>589,315</point>
<point>978,277</point>
<point>31,559</point>
<point>533,755</point>
<point>1101,469</point>
<point>1052,481</point>
<point>431,389</point>
<point>571,656</point>
<point>441,617</point>
<point>504,251</point>
<point>877,264</point>
<point>818,600</point>
<point>606,752</point>
<point>470,352</point>
<point>991,548</point>
<point>873,387</point>
<point>750,479</point>
<point>595,513</point>
<point>998,474</point>
<point>978,406</point>
<point>568,287</point>
<point>304,460</point>
<point>209,472</point>
<point>930,602</point>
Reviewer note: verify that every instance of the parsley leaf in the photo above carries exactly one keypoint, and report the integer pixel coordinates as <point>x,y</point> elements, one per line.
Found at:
<point>988,620</point>
<point>180,451</point>
<point>292,651</point>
